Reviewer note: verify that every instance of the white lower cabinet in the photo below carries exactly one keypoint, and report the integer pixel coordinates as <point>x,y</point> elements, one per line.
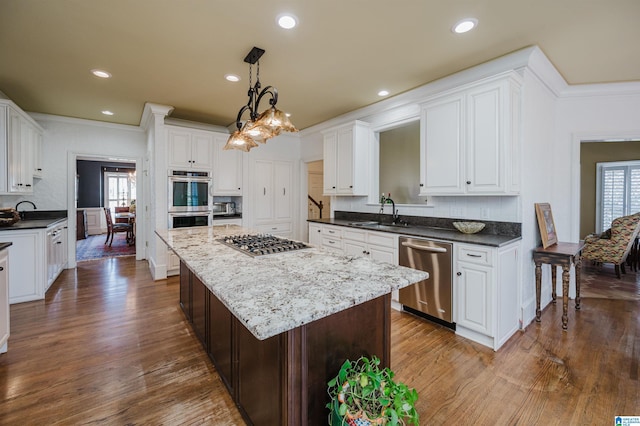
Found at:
<point>56,252</point>
<point>4,300</point>
<point>315,234</point>
<point>380,246</point>
<point>486,293</point>
<point>173,263</point>
<point>37,258</point>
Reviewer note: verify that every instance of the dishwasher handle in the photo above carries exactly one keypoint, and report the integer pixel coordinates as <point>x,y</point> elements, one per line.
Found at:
<point>424,248</point>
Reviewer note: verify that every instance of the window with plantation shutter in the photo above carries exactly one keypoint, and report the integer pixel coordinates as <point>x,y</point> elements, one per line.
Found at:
<point>618,192</point>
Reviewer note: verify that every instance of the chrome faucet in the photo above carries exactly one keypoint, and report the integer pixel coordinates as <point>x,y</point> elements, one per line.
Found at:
<point>22,212</point>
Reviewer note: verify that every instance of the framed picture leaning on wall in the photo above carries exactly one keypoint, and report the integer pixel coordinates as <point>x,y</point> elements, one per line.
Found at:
<point>546,225</point>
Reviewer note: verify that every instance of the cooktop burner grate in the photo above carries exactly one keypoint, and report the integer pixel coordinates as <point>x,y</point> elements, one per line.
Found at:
<point>261,244</point>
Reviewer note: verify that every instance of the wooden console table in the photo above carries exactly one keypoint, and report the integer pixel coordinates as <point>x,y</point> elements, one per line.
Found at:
<point>560,254</point>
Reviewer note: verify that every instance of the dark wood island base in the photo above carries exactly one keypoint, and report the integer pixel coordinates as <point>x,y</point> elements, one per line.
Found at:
<point>282,380</point>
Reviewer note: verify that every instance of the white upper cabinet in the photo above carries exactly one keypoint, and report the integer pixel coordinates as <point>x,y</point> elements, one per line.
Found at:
<point>227,168</point>
<point>20,140</point>
<point>470,141</point>
<point>346,159</point>
<point>189,148</point>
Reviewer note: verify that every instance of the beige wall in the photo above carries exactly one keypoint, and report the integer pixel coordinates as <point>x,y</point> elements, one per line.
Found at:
<point>590,154</point>
<point>400,163</point>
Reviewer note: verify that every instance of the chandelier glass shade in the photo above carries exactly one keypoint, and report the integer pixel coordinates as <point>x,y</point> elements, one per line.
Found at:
<point>260,126</point>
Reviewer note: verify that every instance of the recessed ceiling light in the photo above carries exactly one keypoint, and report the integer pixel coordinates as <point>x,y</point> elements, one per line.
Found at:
<point>232,77</point>
<point>107,112</point>
<point>287,21</point>
<point>464,25</point>
<point>101,73</point>
<point>383,93</point>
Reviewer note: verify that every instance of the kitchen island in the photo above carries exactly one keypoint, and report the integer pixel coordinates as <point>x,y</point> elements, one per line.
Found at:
<point>278,327</point>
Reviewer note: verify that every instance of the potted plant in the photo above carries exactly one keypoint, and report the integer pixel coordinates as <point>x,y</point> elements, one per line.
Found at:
<point>362,393</point>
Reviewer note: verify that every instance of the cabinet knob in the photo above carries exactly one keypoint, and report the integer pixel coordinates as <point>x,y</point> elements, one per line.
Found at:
<point>238,189</point>
<point>422,184</point>
<point>333,187</point>
<point>459,274</point>
<point>350,186</point>
<point>319,230</point>
<point>468,182</point>
<point>1,269</point>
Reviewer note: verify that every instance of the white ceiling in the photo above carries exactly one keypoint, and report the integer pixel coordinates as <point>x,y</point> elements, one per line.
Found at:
<point>341,54</point>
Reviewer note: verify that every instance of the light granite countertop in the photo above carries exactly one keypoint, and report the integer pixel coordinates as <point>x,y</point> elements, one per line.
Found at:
<point>275,293</point>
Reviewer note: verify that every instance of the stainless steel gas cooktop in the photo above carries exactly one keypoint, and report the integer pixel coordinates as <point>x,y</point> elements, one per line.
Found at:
<point>261,244</point>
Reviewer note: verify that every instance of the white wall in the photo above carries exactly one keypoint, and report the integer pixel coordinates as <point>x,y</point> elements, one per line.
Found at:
<point>63,135</point>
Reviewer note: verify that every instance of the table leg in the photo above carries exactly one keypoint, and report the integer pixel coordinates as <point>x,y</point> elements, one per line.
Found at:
<point>554,269</point>
<point>538,285</point>
<point>565,294</point>
<point>578,266</point>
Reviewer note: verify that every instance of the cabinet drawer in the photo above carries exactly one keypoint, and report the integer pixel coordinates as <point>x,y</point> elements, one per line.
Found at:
<point>479,256</point>
<point>354,234</point>
<point>332,231</point>
<point>383,239</point>
<point>275,227</point>
<point>332,243</point>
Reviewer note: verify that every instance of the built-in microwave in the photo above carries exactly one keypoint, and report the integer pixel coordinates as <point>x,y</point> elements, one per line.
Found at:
<point>189,191</point>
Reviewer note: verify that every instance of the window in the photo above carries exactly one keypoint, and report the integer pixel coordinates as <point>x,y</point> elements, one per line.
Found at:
<point>120,188</point>
<point>618,191</point>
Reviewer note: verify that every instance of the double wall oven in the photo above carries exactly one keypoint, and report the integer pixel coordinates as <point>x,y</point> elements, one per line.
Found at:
<point>189,198</point>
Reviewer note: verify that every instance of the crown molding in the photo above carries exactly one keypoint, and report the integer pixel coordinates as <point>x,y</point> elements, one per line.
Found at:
<point>151,110</point>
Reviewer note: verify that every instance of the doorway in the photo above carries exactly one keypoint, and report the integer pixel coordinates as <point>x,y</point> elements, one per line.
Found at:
<point>90,192</point>
<point>319,206</point>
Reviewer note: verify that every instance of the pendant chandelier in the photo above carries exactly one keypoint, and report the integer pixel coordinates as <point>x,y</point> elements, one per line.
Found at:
<point>259,127</point>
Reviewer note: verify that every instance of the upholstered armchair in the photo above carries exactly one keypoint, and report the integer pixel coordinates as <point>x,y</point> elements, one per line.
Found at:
<point>603,248</point>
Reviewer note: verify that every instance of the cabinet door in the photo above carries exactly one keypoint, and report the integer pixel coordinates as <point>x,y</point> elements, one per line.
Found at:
<point>14,161</point>
<point>36,137</point>
<point>329,163</point>
<point>442,142</point>
<point>26,155</point>
<point>28,268</point>
<point>185,290</point>
<point>383,254</point>
<point>485,140</point>
<point>201,145</point>
<point>179,143</point>
<point>220,342</point>
<point>282,190</point>
<point>354,248</point>
<point>474,297</point>
<point>344,161</point>
<point>4,301</point>
<point>198,309</point>
<point>263,190</point>
<point>227,169</point>
<point>315,234</point>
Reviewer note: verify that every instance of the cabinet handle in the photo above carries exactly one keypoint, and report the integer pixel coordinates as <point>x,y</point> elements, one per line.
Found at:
<point>59,242</point>
<point>27,185</point>
<point>468,182</point>
<point>274,229</point>
<point>422,184</point>
<point>473,255</point>
<point>1,269</point>
<point>333,187</point>
<point>459,273</point>
<point>350,186</point>
<point>284,191</point>
<point>39,170</point>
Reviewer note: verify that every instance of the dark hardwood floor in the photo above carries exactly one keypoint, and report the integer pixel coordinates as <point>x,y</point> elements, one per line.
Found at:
<point>111,346</point>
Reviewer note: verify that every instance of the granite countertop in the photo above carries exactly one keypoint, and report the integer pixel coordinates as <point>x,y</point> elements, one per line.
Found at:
<point>428,232</point>
<point>4,245</point>
<point>275,293</point>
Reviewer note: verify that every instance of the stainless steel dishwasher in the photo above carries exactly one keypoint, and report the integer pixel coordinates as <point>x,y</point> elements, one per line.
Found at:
<point>432,296</point>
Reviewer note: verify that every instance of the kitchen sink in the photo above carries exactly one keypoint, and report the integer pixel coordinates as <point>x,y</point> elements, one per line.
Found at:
<point>364,223</point>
